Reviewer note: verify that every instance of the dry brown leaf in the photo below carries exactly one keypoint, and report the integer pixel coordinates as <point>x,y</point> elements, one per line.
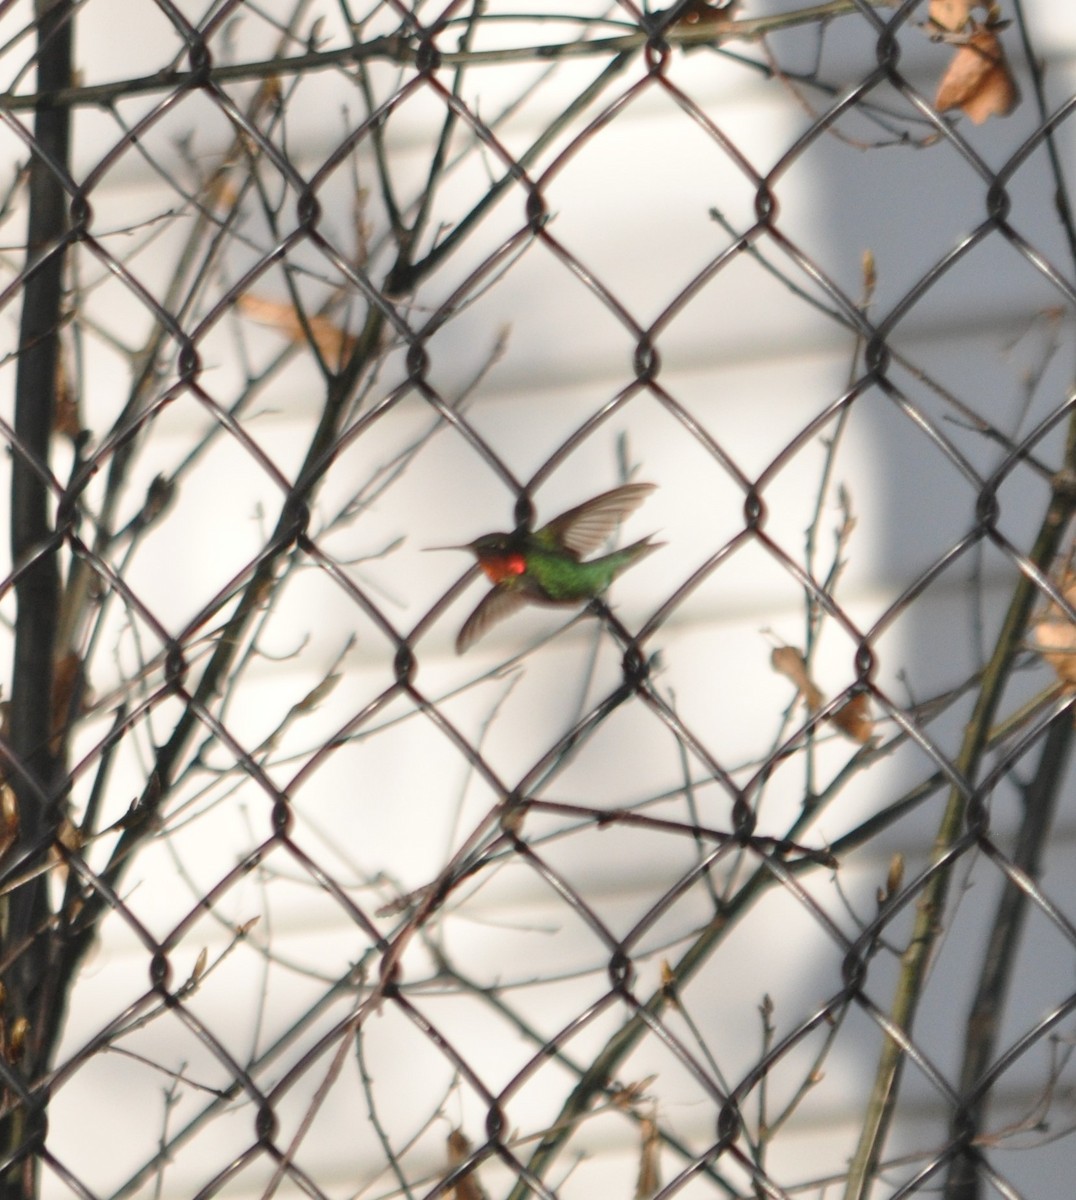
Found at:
<point>631,1094</point>
<point>649,1181</point>
<point>159,496</point>
<point>20,1030</point>
<point>869,268</point>
<point>271,90</point>
<point>459,1150</point>
<point>953,15</point>
<point>334,344</point>
<point>853,718</point>
<point>787,661</point>
<point>699,12</point>
<point>1055,634</point>
<point>978,80</point>
<point>69,836</point>
<point>66,418</point>
<point>894,878</point>
<point>222,193</point>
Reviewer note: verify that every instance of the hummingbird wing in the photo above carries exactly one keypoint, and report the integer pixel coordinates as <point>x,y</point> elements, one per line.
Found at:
<point>495,605</point>
<point>589,525</point>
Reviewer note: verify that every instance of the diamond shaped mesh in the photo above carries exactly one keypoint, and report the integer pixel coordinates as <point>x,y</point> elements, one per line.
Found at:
<point>743,877</point>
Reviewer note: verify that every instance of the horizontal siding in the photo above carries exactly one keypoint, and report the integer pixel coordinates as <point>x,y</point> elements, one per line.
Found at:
<point>754,366</point>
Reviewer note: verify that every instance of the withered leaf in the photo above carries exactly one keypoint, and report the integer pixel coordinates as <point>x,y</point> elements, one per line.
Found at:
<point>1055,634</point>
<point>20,1030</point>
<point>222,193</point>
<point>271,90</point>
<point>853,718</point>
<point>869,268</point>
<point>701,12</point>
<point>978,80</point>
<point>68,837</point>
<point>67,419</point>
<point>649,1181</point>
<point>159,496</point>
<point>199,966</point>
<point>952,15</point>
<point>459,1150</point>
<point>459,1147</point>
<point>631,1093</point>
<point>894,878</point>
<point>789,662</point>
<point>333,343</point>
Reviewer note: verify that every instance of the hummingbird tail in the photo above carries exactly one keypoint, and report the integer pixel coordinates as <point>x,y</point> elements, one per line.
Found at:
<point>640,549</point>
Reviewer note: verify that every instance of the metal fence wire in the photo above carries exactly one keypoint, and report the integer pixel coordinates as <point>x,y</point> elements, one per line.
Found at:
<point>745,875</point>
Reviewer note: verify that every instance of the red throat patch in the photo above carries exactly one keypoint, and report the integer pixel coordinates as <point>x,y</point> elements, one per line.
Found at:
<point>503,566</point>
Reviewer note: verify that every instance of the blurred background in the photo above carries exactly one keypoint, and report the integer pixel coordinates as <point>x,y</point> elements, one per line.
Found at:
<point>747,880</point>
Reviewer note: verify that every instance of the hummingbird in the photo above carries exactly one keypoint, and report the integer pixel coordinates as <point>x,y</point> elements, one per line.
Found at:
<point>548,565</point>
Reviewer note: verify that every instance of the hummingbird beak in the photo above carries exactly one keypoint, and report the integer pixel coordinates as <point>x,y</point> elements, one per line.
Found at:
<point>465,546</point>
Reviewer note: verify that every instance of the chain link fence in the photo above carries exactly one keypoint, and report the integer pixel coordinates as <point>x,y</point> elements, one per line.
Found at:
<point>747,877</point>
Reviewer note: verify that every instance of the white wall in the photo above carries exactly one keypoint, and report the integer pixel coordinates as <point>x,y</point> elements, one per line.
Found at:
<point>753,365</point>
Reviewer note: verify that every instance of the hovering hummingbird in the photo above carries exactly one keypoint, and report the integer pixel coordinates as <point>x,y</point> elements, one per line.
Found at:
<point>547,566</point>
